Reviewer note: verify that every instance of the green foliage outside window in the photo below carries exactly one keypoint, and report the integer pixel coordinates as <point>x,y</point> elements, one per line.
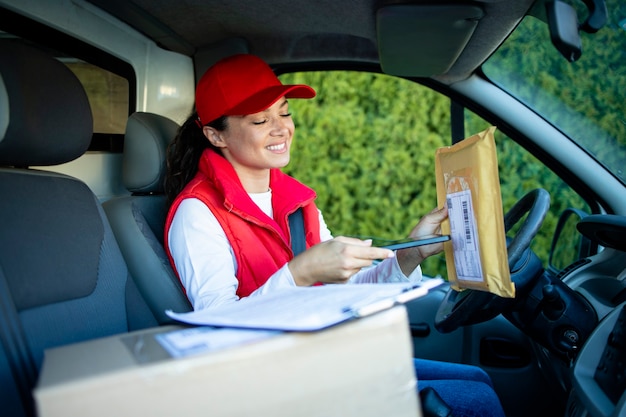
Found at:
<point>366,144</point>
<point>584,98</point>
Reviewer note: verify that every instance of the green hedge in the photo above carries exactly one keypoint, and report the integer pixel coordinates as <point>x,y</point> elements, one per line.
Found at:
<point>371,162</point>
<point>367,145</point>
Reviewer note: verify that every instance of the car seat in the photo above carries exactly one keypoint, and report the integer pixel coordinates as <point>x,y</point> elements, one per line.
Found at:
<point>62,276</point>
<point>138,219</point>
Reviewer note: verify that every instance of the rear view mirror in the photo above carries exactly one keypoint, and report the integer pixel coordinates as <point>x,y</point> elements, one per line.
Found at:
<point>564,26</point>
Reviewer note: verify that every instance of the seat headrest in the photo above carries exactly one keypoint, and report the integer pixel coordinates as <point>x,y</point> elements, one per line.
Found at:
<point>145,145</point>
<point>47,119</point>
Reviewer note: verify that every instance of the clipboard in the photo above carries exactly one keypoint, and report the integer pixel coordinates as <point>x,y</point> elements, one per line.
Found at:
<point>307,309</point>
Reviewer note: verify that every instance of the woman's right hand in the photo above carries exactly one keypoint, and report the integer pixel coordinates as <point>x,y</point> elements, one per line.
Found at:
<point>335,261</point>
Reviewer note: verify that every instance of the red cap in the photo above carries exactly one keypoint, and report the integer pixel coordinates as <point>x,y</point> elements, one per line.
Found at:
<point>240,85</point>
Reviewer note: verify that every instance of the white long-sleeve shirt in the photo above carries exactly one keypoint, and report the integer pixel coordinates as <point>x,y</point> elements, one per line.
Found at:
<point>207,267</point>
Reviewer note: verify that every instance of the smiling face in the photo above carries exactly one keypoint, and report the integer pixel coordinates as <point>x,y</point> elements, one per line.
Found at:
<point>255,143</point>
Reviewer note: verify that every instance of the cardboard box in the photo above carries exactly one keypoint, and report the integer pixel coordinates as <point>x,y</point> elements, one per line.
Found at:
<point>359,368</point>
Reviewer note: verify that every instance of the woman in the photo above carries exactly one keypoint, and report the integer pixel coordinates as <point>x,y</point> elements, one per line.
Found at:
<point>227,230</point>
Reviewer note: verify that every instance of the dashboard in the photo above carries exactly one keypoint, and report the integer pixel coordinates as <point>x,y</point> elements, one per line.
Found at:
<point>598,375</point>
<point>599,380</point>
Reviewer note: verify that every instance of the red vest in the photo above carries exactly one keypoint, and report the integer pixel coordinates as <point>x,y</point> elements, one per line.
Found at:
<point>261,245</point>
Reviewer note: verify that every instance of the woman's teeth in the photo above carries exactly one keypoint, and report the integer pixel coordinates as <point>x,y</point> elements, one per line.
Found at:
<point>279,147</point>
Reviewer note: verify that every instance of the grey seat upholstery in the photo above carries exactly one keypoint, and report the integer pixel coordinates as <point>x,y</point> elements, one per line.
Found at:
<point>138,220</point>
<point>62,276</point>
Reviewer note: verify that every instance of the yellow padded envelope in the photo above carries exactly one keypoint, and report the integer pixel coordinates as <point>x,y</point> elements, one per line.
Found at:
<point>468,182</point>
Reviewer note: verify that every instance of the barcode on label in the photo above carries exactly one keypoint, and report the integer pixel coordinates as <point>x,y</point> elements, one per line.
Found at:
<point>466,222</point>
<point>464,235</point>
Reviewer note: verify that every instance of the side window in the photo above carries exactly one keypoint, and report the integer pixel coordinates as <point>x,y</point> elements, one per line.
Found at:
<point>108,96</point>
<point>107,93</point>
<point>367,145</point>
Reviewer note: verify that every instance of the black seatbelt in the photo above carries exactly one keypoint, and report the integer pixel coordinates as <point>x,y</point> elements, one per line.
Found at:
<point>457,121</point>
<point>296,228</point>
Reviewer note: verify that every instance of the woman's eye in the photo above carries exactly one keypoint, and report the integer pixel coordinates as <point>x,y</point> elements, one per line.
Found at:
<point>286,115</point>
<point>259,122</point>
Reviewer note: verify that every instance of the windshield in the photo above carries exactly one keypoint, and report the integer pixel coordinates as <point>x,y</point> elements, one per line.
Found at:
<point>584,99</point>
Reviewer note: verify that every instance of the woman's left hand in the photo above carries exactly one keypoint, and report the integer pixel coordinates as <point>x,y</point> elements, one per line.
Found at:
<point>430,224</point>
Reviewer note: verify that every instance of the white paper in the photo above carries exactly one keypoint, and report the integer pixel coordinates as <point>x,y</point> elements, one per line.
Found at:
<point>308,308</point>
<point>464,236</point>
<point>180,343</point>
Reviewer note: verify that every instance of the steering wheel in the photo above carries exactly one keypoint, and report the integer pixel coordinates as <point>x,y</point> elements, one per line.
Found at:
<point>460,308</point>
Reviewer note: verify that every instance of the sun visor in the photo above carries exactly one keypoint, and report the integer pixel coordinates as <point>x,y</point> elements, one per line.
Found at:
<point>416,40</point>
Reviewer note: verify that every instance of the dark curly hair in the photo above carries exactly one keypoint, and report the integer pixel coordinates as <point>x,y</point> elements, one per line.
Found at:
<point>183,154</point>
